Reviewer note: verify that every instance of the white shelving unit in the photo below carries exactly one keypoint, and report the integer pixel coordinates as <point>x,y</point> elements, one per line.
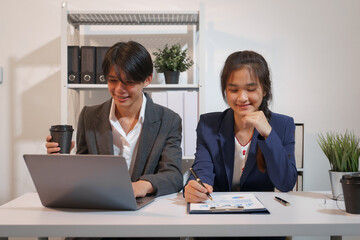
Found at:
<point>152,29</point>
<point>299,155</point>
<point>151,86</point>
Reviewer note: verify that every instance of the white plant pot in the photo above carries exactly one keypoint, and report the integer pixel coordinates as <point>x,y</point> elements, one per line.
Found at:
<point>336,187</point>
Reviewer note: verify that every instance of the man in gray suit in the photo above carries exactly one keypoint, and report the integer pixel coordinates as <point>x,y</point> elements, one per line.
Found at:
<point>131,125</point>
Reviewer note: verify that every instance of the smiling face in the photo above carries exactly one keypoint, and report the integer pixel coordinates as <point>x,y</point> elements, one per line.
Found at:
<point>247,71</point>
<point>243,92</point>
<point>126,94</point>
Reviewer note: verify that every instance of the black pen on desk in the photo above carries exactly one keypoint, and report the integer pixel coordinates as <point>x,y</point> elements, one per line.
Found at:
<point>282,201</point>
<point>201,183</point>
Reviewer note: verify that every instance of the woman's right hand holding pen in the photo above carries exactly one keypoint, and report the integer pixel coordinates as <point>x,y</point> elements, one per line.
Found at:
<point>195,193</point>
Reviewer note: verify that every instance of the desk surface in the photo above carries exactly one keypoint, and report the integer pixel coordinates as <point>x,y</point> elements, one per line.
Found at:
<point>308,215</point>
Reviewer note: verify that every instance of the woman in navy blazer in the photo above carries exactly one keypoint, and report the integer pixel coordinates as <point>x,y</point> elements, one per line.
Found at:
<point>247,147</point>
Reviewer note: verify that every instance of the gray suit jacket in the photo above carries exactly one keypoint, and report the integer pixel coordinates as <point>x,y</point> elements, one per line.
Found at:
<point>159,153</point>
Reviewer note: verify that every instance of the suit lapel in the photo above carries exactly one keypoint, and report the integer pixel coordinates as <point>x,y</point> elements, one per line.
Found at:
<point>227,144</point>
<point>103,132</point>
<point>251,158</point>
<point>148,135</point>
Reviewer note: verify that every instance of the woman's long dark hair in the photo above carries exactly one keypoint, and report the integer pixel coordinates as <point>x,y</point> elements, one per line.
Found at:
<point>258,68</point>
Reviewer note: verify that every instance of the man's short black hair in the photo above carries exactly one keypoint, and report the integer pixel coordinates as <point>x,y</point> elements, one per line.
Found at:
<point>129,58</point>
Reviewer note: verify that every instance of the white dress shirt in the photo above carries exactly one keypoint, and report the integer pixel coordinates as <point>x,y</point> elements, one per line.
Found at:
<point>126,145</point>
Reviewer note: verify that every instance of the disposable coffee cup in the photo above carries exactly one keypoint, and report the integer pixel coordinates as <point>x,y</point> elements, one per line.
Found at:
<point>62,134</point>
<point>351,189</point>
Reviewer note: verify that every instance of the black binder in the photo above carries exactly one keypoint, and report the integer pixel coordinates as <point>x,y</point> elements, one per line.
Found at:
<point>73,64</point>
<point>100,54</point>
<point>87,65</point>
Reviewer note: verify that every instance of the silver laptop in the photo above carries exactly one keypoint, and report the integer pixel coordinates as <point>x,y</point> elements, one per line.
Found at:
<point>83,181</point>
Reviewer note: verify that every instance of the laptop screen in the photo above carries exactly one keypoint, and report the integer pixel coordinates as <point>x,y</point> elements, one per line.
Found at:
<point>82,181</point>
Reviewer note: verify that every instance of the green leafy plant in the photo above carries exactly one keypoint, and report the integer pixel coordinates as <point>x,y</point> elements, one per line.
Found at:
<point>342,151</point>
<point>172,59</point>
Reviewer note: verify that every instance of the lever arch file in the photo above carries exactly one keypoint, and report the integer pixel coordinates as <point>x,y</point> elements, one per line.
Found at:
<point>73,64</point>
<point>100,54</point>
<point>87,65</point>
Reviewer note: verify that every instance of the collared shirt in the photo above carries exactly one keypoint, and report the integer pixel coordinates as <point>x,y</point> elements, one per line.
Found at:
<point>126,145</point>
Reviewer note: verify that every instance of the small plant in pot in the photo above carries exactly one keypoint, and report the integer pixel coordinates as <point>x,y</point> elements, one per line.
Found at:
<point>171,61</point>
<point>342,151</point>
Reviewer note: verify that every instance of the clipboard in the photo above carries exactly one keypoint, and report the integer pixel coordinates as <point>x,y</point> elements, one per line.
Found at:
<point>229,204</point>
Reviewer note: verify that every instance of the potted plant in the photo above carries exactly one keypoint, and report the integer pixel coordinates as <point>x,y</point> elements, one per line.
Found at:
<point>171,61</point>
<point>343,153</point>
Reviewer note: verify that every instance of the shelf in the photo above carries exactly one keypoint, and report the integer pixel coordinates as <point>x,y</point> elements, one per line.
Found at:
<point>128,18</point>
<point>152,29</point>
<point>172,86</point>
<point>151,86</point>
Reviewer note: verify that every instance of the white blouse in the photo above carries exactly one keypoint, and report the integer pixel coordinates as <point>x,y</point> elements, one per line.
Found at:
<point>240,156</point>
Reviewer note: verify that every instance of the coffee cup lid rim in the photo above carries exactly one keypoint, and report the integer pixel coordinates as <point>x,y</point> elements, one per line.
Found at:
<point>354,176</point>
<point>61,128</point>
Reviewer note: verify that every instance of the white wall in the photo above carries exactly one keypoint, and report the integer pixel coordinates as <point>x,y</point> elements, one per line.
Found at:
<point>29,54</point>
<point>312,47</point>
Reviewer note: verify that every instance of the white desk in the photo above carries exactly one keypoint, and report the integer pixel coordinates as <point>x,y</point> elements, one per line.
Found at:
<point>167,216</point>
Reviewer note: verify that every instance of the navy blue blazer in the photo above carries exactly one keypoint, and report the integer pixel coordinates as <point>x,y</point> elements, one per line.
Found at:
<point>214,158</point>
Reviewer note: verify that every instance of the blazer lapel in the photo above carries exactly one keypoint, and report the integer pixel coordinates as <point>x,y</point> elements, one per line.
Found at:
<point>103,132</point>
<point>148,135</point>
<point>251,158</point>
<point>227,144</point>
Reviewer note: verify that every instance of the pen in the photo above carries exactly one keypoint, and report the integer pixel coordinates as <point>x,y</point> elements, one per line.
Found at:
<point>199,181</point>
<point>282,201</point>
